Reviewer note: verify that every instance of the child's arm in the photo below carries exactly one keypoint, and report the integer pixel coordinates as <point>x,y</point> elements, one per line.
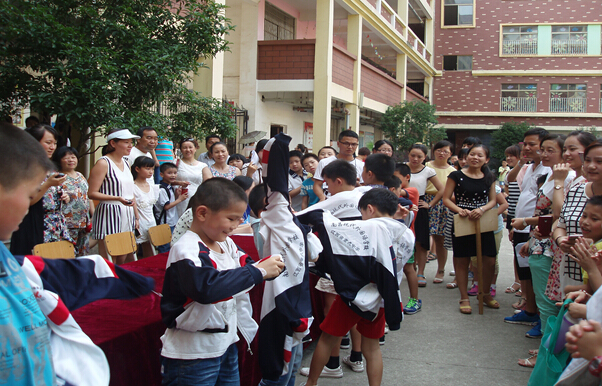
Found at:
<point>305,202</point>
<point>501,201</point>
<point>180,197</point>
<point>295,192</point>
<point>318,191</point>
<point>587,257</point>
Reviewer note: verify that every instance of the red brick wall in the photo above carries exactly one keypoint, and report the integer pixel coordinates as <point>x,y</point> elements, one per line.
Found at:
<point>342,67</point>
<point>379,86</point>
<point>572,122</point>
<point>286,59</point>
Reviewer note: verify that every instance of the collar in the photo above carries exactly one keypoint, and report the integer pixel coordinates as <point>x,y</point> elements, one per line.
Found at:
<point>295,175</point>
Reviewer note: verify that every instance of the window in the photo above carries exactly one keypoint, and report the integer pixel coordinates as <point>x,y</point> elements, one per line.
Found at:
<point>457,63</point>
<point>519,97</point>
<point>458,12</point>
<point>569,39</point>
<point>568,98</point>
<point>519,40</point>
<point>601,98</point>
<point>278,25</point>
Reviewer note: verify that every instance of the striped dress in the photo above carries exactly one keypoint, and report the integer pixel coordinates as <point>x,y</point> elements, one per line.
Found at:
<point>112,216</point>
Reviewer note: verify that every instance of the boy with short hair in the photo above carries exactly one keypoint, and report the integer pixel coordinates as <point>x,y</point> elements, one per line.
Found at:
<point>296,177</point>
<point>205,298</point>
<point>310,163</point>
<point>165,207</point>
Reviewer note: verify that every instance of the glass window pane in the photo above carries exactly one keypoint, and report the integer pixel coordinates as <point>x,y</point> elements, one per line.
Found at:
<point>509,86</point>
<point>465,12</point>
<point>451,15</point>
<point>449,2</point>
<point>450,63</point>
<point>464,62</point>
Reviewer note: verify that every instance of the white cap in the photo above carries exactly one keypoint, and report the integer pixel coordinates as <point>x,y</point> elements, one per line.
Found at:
<point>122,134</point>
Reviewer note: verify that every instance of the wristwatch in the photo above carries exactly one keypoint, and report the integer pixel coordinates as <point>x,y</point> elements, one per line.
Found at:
<point>558,187</point>
<point>525,222</point>
<point>595,366</point>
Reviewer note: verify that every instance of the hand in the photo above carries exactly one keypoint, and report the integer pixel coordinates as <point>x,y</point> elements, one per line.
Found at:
<point>56,180</point>
<point>125,201</point>
<point>251,168</point>
<point>510,234</point>
<point>584,340</point>
<point>273,265</point>
<point>565,243</point>
<point>414,208</point>
<point>464,212</point>
<point>65,197</point>
<point>182,197</point>
<point>137,224</point>
<point>517,223</point>
<point>475,214</point>
<point>561,172</point>
<point>577,311</point>
<point>584,254</point>
<point>577,296</point>
<point>402,212</point>
<point>423,204</point>
<point>524,250</point>
<point>182,184</point>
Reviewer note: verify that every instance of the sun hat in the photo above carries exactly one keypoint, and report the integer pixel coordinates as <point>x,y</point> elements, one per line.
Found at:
<point>122,134</point>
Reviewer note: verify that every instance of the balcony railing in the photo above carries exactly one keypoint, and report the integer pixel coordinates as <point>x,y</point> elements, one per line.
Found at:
<point>518,47</point>
<point>569,47</point>
<point>568,105</point>
<point>518,104</point>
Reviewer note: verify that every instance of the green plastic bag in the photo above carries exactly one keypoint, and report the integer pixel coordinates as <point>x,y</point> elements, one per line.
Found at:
<point>549,366</point>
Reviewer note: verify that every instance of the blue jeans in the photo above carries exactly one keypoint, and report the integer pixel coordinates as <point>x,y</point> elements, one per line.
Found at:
<point>288,379</point>
<point>165,247</point>
<point>157,175</point>
<point>222,371</point>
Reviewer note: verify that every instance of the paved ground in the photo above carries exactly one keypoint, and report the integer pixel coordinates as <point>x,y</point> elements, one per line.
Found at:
<point>440,346</point>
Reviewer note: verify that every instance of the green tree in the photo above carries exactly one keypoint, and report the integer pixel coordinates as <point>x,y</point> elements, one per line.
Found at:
<point>509,133</point>
<point>99,64</point>
<point>410,122</point>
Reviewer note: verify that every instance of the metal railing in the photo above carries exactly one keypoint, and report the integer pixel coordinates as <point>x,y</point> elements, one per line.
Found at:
<point>569,47</point>
<point>518,47</point>
<point>568,105</point>
<point>518,104</point>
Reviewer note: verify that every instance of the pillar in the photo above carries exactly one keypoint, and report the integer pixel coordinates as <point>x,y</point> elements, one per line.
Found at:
<point>323,72</point>
<point>354,46</point>
<point>401,73</point>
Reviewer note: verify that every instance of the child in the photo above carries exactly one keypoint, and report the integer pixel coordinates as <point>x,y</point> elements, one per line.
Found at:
<point>39,293</point>
<point>378,168</point>
<point>146,196</point>
<point>368,246</point>
<point>327,151</point>
<point>165,206</point>
<point>414,305</point>
<point>237,160</point>
<point>474,192</point>
<point>296,176</point>
<point>205,300</point>
<point>310,164</point>
<point>363,153</point>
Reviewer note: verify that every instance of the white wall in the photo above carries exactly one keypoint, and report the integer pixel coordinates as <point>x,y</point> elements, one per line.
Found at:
<point>274,113</point>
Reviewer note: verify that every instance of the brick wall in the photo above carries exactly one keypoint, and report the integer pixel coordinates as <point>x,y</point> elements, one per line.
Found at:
<point>342,67</point>
<point>376,85</point>
<point>572,122</point>
<point>285,59</point>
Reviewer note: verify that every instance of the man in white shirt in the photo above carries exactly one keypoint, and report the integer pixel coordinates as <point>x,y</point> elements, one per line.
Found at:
<point>348,142</point>
<point>209,141</point>
<point>147,143</point>
<point>525,207</point>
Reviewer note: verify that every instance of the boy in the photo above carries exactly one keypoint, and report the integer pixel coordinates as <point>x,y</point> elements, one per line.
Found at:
<point>363,153</point>
<point>165,207</point>
<point>403,172</point>
<point>310,164</point>
<point>205,298</point>
<point>359,257</point>
<point>36,294</point>
<point>296,177</point>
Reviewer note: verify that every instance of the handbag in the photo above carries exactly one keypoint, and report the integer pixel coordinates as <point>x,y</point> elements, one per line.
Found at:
<point>549,366</point>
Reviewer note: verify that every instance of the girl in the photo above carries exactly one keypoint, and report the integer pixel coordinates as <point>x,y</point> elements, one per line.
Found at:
<point>189,170</point>
<point>474,190</point>
<point>326,151</point>
<point>146,195</point>
<point>237,160</point>
<point>79,209</point>
<point>421,175</point>
<point>219,152</point>
<point>438,214</point>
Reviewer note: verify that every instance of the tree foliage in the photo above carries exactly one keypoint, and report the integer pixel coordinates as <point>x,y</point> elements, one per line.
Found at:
<point>100,64</point>
<point>410,122</point>
<point>509,133</point>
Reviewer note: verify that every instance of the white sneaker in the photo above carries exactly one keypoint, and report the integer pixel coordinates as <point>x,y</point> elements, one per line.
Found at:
<point>386,329</point>
<point>326,372</point>
<point>358,366</point>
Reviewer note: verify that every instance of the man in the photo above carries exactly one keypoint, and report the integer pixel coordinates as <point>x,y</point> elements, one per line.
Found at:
<point>147,143</point>
<point>209,141</point>
<point>348,142</point>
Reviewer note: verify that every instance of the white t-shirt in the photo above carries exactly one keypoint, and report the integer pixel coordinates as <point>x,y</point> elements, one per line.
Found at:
<point>420,180</point>
<point>135,153</point>
<point>525,207</point>
<point>358,164</point>
<point>343,205</point>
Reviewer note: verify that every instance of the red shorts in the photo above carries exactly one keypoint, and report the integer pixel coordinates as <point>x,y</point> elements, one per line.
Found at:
<point>341,318</point>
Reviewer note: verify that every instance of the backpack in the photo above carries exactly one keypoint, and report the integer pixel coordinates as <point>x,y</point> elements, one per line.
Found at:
<point>161,215</point>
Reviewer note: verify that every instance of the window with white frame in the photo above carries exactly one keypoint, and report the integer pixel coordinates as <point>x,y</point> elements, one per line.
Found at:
<point>518,97</point>
<point>571,98</point>
<point>569,39</point>
<point>457,63</point>
<point>519,40</point>
<point>458,12</point>
<point>278,25</point>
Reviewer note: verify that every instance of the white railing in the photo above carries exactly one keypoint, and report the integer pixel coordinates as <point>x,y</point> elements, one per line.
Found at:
<point>568,105</point>
<point>518,104</point>
<point>569,47</point>
<point>518,47</point>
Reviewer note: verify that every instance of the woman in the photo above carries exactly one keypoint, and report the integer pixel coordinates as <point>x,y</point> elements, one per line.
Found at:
<point>112,184</point>
<point>383,146</point>
<point>438,214</point>
<point>189,170</point>
<point>219,152</point>
<point>421,175</point>
<point>31,230</point>
<point>512,191</point>
<point>79,208</point>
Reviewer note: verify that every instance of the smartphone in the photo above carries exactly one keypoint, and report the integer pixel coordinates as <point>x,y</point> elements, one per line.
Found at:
<point>545,225</point>
<point>573,238</point>
<point>59,175</point>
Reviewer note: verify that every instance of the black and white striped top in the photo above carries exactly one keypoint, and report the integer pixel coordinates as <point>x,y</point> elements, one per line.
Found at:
<point>513,194</point>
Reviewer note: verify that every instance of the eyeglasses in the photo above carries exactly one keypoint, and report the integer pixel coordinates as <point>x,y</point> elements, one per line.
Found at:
<point>387,151</point>
<point>441,151</point>
<point>349,144</point>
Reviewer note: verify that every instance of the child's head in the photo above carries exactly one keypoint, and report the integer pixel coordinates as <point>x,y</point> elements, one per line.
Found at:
<point>257,200</point>
<point>168,172</point>
<point>246,183</point>
<point>404,173</point>
<point>541,180</point>
<point>378,202</point>
<point>463,157</point>
<point>591,219</point>
<point>310,162</point>
<point>378,168</point>
<point>65,158</point>
<point>302,148</point>
<point>294,161</point>
<point>470,142</point>
<point>363,153</point>
<point>340,176</point>
<point>327,151</point>
<point>217,206</point>
<point>24,165</point>
<point>394,185</point>
<point>143,167</point>
<point>237,160</point>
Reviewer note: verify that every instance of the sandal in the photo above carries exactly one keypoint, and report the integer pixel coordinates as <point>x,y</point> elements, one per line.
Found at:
<point>520,304</point>
<point>534,351</point>
<point>491,303</point>
<point>421,282</point>
<point>438,280</point>
<point>527,362</point>
<point>513,288</point>
<point>518,294</point>
<point>452,285</point>
<point>431,256</point>
<point>467,310</point>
